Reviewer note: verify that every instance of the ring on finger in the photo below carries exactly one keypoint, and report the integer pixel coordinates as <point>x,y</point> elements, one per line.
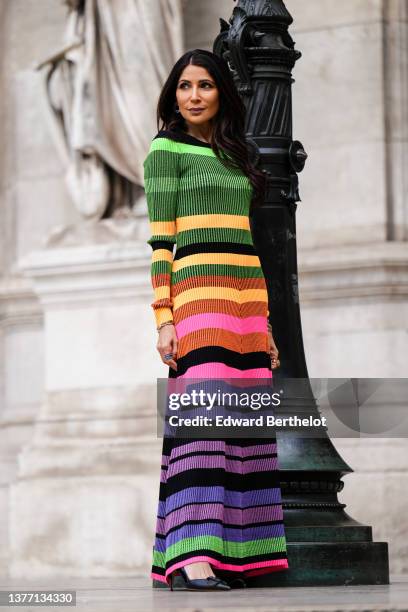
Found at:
<point>168,356</point>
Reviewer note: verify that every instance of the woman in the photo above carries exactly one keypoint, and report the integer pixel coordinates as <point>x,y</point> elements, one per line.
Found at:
<point>220,501</point>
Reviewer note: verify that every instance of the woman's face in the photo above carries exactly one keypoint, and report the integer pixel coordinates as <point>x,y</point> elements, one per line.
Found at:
<point>197,95</point>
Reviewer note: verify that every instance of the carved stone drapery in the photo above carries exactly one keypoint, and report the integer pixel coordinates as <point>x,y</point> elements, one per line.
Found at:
<point>102,86</point>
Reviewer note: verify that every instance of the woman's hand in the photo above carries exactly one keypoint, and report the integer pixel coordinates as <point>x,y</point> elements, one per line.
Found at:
<point>273,351</point>
<point>166,344</point>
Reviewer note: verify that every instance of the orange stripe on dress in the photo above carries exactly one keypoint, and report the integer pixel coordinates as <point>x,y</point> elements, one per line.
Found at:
<point>247,343</point>
<point>222,306</point>
<point>218,281</point>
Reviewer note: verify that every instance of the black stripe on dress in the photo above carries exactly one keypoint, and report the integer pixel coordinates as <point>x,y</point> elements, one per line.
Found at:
<point>215,247</point>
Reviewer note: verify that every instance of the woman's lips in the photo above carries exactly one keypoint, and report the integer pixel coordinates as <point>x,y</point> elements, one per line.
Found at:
<point>196,111</point>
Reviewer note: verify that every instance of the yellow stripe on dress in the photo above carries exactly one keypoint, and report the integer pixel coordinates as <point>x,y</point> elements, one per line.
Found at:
<point>159,228</point>
<point>162,255</point>
<point>161,292</point>
<point>162,315</point>
<point>220,293</point>
<point>231,259</point>
<point>212,221</point>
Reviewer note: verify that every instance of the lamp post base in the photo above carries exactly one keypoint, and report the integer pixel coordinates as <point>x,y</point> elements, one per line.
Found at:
<point>329,563</point>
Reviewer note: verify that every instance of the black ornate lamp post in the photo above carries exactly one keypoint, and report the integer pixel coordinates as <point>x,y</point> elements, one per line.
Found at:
<point>325,545</point>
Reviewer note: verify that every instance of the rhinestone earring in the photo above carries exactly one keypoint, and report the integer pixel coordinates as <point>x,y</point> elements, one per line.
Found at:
<point>177,109</point>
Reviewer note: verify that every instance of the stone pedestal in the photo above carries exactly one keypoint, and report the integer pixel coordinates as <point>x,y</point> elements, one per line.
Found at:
<point>85,498</point>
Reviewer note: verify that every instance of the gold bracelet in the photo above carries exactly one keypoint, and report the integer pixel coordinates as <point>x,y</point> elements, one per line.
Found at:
<point>163,324</point>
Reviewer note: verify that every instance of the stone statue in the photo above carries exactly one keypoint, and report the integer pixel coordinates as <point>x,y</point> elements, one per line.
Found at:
<point>102,87</point>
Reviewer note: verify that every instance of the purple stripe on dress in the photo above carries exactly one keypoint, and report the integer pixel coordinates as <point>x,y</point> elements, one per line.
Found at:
<point>220,445</point>
<point>234,466</point>
<point>235,516</point>
<point>257,497</point>
<point>225,533</point>
<point>246,499</point>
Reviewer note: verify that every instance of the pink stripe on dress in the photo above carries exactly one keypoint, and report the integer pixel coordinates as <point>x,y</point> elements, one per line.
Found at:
<point>213,370</point>
<point>230,516</point>
<point>223,321</point>
<point>220,461</point>
<point>273,564</point>
<point>221,445</point>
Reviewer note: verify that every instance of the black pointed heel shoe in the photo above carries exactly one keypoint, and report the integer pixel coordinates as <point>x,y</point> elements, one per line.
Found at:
<point>212,583</point>
<point>237,583</point>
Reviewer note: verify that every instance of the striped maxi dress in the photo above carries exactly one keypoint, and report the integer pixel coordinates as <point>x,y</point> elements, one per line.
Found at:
<point>219,500</point>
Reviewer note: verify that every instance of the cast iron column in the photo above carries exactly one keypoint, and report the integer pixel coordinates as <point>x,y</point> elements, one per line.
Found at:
<point>325,545</point>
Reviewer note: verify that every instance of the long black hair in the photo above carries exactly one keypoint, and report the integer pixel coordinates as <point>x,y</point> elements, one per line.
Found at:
<point>228,134</point>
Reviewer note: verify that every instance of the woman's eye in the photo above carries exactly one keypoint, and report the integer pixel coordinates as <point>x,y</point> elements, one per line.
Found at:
<point>206,85</point>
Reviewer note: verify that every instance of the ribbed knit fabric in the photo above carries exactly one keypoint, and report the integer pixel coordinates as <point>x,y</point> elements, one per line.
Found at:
<point>219,500</point>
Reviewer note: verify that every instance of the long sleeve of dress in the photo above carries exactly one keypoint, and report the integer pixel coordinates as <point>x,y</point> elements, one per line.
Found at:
<point>161,176</point>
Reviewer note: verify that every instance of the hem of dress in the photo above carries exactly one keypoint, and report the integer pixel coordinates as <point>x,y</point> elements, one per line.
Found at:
<point>249,569</point>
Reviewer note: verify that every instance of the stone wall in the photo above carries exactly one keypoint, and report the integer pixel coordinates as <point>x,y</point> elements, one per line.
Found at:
<point>32,200</point>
